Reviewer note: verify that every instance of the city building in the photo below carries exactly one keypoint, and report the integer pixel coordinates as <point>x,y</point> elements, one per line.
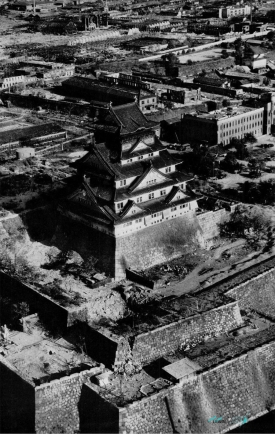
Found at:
<point>255,58</point>
<point>140,90</point>
<point>234,11</point>
<point>8,82</point>
<point>222,125</point>
<point>38,135</point>
<point>50,70</point>
<point>210,29</point>
<point>92,90</point>
<point>182,96</point>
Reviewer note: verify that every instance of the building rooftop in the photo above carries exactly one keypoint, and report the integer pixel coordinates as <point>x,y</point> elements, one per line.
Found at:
<point>224,113</point>
<point>131,119</point>
<point>237,74</point>
<point>210,81</point>
<point>181,368</point>
<point>26,133</point>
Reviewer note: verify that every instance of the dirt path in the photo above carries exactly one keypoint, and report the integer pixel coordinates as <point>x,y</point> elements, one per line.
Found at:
<point>194,281</point>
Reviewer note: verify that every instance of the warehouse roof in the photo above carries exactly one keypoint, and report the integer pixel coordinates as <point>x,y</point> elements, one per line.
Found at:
<point>27,133</point>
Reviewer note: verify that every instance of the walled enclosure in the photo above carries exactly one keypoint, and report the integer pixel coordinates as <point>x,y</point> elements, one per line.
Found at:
<point>238,388</point>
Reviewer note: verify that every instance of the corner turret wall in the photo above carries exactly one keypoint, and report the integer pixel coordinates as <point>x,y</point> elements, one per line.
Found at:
<point>56,403</point>
<point>157,243</point>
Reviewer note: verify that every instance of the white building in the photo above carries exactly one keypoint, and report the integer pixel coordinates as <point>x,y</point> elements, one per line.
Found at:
<point>234,11</point>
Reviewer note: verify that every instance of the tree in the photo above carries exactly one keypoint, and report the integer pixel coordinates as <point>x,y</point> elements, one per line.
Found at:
<point>189,62</point>
<point>241,149</point>
<point>21,310</point>
<point>230,163</point>
<point>239,51</point>
<point>204,161</point>
<point>249,137</point>
<point>249,223</point>
<point>254,167</point>
<point>224,54</point>
<point>271,36</point>
<point>172,58</point>
<point>267,191</point>
<point>172,43</point>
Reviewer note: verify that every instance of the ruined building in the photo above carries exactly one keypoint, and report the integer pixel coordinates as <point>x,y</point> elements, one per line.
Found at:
<point>133,198</point>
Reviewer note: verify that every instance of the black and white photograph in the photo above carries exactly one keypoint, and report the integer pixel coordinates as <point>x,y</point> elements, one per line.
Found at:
<point>137,216</point>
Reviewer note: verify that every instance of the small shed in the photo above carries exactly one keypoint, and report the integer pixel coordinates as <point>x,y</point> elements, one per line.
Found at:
<point>23,153</point>
<point>182,368</point>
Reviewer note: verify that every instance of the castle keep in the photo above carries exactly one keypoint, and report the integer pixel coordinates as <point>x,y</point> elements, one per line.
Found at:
<point>130,185</point>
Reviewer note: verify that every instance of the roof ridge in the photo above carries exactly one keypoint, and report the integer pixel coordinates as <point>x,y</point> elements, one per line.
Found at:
<point>144,174</point>
<point>92,196</point>
<point>97,151</point>
<point>117,118</point>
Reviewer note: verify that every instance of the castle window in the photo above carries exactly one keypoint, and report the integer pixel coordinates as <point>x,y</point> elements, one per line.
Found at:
<point>127,224</point>
<point>151,155</point>
<point>140,157</point>
<point>151,195</point>
<point>139,199</point>
<point>151,181</point>
<point>123,182</point>
<point>174,208</point>
<point>134,211</point>
<point>167,169</point>
<point>162,192</point>
<point>120,205</point>
<point>138,220</point>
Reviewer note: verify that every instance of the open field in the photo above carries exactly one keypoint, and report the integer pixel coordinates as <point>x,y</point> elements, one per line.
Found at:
<point>201,56</point>
<point>19,36</point>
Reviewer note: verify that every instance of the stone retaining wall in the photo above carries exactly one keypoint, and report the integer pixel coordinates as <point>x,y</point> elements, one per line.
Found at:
<point>163,340</point>
<point>240,388</point>
<point>56,403</point>
<point>258,293</point>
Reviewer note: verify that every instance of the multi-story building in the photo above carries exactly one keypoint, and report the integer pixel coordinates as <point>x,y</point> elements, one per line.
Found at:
<point>134,85</point>
<point>130,191</point>
<point>254,57</point>
<point>210,29</point>
<point>234,11</point>
<point>50,70</point>
<point>221,126</point>
<point>8,82</point>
